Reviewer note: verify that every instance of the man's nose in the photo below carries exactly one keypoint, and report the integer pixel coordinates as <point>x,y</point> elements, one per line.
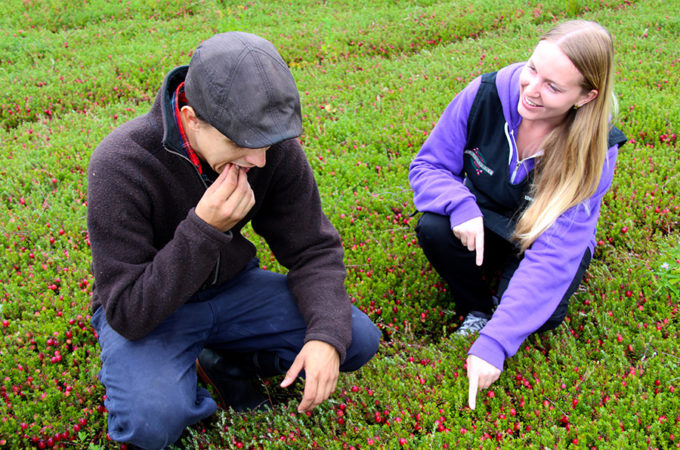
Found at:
<point>257,157</point>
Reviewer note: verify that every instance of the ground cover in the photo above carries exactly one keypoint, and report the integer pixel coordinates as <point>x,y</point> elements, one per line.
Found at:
<point>373,78</point>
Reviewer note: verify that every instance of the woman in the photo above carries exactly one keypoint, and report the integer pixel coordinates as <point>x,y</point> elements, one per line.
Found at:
<point>510,181</point>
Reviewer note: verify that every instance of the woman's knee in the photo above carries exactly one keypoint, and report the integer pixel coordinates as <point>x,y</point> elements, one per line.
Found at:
<point>556,319</point>
<point>433,229</point>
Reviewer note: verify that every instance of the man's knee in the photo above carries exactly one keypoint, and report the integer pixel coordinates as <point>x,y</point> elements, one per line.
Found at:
<point>153,421</point>
<point>146,424</point>
<point>365,342</point>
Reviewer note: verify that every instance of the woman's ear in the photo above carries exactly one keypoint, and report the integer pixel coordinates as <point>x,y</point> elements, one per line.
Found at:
<point>587,98</point>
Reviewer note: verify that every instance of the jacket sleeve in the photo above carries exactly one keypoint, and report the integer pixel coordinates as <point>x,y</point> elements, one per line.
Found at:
<point>543,276</point>
<point>436,173</point>
<point>306,243</point>
<point>138,281</point>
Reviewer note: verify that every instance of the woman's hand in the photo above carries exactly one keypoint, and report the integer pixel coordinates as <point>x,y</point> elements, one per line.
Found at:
<point>471,235</point>
<point>481,375</point>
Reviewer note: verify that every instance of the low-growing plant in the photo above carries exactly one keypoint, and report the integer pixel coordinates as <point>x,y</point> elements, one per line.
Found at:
<point>373,78</point>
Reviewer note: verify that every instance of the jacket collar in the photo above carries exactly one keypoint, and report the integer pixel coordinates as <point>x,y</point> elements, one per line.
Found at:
<point>162,109</point>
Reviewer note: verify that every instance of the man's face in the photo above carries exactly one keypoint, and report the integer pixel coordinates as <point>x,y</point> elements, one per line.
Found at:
<point>216,149</point>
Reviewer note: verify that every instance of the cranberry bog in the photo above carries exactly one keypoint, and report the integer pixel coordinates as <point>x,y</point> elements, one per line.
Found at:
<point>373,78</point>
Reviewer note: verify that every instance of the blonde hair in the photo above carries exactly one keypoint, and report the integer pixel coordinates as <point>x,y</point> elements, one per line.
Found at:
<point>575,151</point>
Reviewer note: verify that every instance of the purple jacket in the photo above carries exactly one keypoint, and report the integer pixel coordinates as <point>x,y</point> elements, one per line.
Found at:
<point>550,264</point>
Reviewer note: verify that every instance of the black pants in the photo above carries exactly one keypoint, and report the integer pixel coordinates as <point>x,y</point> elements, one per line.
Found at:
<point>470,284</point>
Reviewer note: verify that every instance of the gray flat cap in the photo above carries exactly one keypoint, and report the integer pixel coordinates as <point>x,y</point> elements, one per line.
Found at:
<point>240,85</point>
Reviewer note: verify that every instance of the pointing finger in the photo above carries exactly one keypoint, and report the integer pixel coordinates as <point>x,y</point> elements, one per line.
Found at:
<point>479,247</point>
<point>472,391</point>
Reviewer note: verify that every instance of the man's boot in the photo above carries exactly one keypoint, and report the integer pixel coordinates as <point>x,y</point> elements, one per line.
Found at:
<point>236,376</point>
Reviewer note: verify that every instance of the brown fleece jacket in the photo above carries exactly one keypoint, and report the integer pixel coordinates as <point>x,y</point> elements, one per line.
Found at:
<point>151,252</point>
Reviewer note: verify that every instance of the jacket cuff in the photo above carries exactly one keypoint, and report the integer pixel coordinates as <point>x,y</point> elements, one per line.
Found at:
<point>466,210</point>
<point>489,350</point>
<point>339,347</point>
<point>208,230</point>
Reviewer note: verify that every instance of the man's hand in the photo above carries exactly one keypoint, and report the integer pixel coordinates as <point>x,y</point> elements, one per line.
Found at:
<point>481,375</point>
<point>471,235</point>
<point>227,200</point>
<point>321,363</point>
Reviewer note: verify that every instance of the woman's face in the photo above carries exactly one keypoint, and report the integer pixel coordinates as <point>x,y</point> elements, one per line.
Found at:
<point>550,85</point>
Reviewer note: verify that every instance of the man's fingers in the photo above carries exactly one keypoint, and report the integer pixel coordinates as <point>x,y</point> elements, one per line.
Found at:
<point>316,391</point>
<point>242,196</point>
<point>309,398</point>
<point>292,373</point>
<point>240,199</point>
<point>335,385</point>
<point>328,389</point>
<point>472,391</point>
<point>227,181</point>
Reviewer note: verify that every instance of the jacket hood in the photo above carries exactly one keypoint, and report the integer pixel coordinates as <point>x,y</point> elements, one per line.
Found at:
<point>507,83</point>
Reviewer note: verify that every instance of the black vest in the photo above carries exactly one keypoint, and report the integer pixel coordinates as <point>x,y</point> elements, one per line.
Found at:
<point>486,162</point>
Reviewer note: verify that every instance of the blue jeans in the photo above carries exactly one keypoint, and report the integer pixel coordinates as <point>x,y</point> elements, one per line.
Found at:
<point>151,383</point>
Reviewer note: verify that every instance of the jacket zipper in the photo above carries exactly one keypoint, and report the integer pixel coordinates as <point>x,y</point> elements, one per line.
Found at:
<point>205,185</point>
<point>512,148</point>
<point>200,177</point>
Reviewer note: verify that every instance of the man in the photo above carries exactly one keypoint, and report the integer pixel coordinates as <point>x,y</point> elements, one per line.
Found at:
<point>169,193</point>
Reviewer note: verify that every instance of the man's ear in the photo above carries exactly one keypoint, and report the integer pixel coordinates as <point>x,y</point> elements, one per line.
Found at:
<point>189,118</point>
